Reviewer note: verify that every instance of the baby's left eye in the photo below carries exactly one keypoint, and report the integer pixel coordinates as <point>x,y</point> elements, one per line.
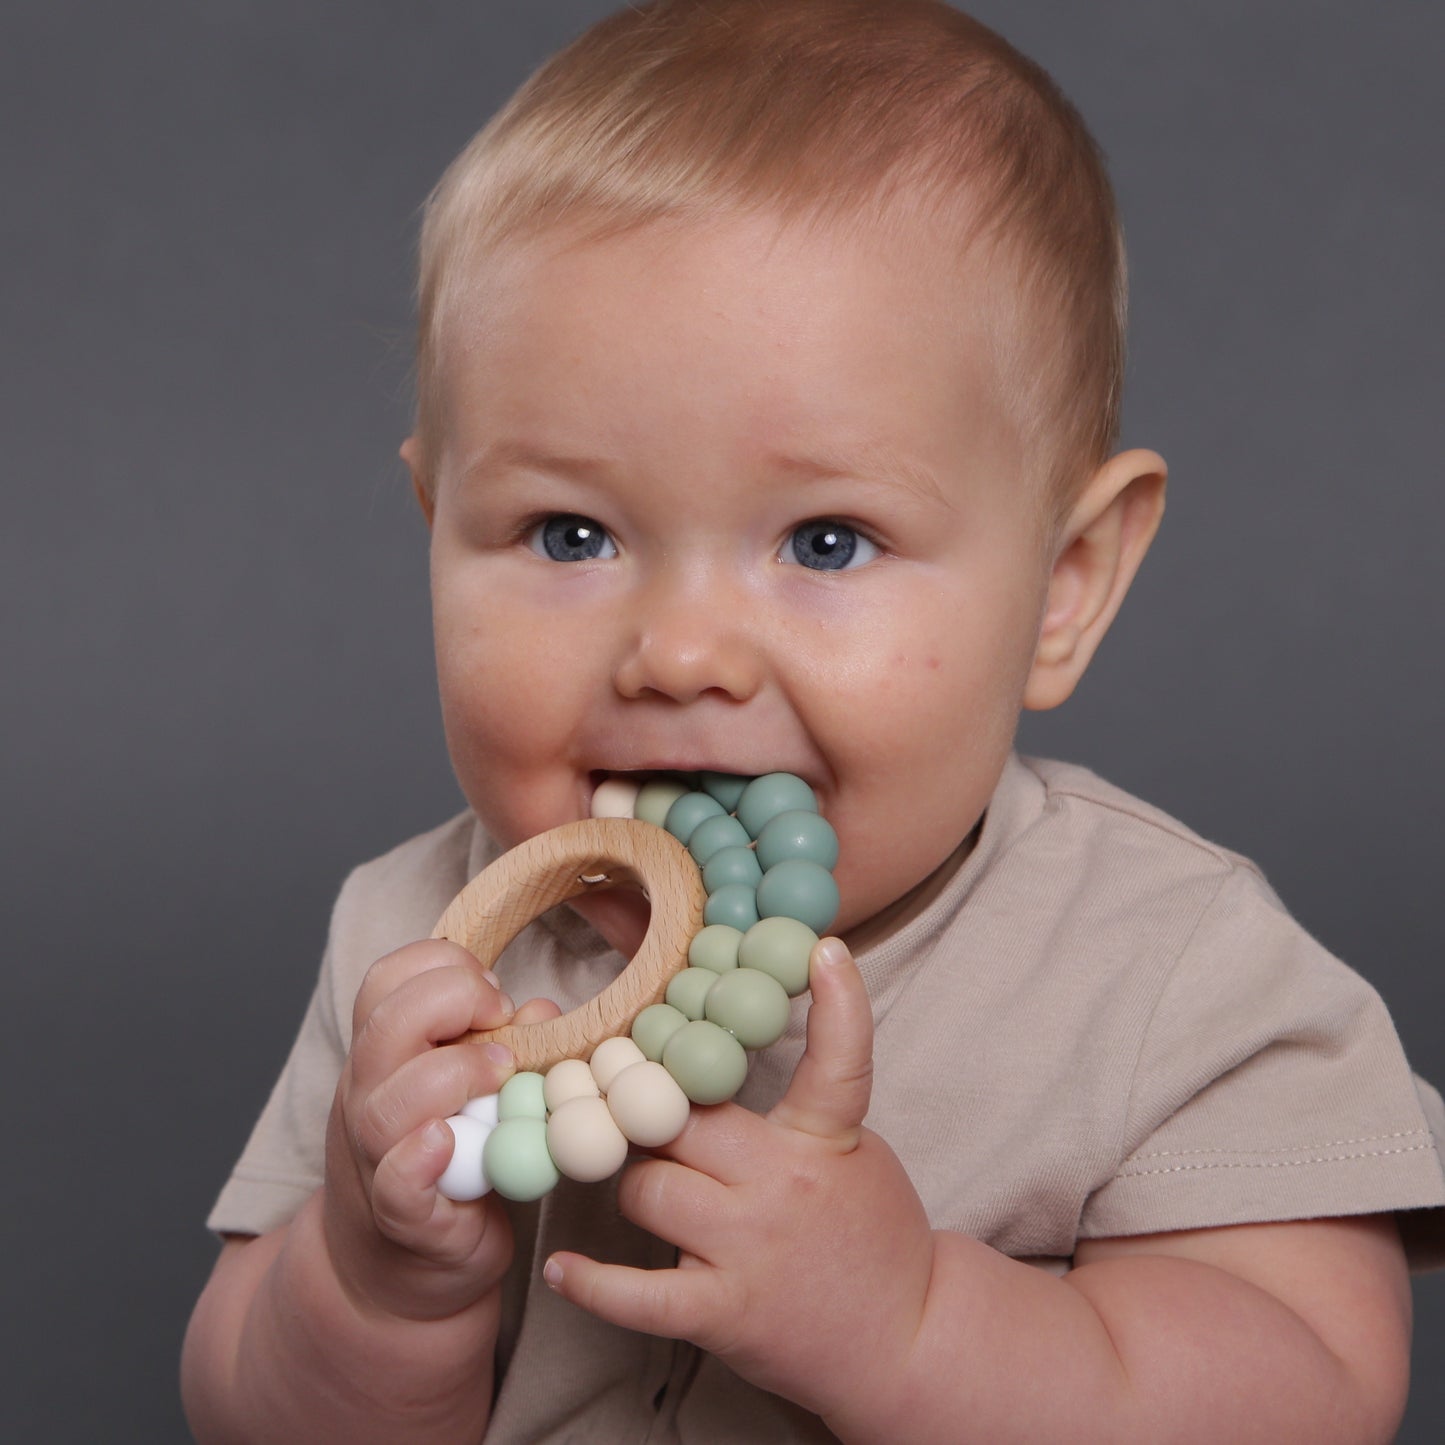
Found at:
<point>827,545</point>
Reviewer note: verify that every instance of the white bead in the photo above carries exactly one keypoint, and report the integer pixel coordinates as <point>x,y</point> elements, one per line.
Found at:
<point>584,1142</point>
<point>569,1079</point>
<point>611,1056</point>
<point>648,1104</point>
<point>614,798</point>
<point>464,1178</point>
<point>482,1109</point>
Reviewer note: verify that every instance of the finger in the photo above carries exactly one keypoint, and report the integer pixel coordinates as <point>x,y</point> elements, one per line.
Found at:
<point>678,1304</point>
<point>536,1011</point>
<point>678,1204</point>
<point>392,970</point>
<point>721,1141</point>
<point>830,1089</point>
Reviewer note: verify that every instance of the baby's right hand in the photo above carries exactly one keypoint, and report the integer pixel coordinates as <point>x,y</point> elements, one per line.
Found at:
<point>395,1243</point>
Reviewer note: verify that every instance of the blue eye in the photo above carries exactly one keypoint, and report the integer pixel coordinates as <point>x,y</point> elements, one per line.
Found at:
<point>571,539</point>
<point>827,545</point>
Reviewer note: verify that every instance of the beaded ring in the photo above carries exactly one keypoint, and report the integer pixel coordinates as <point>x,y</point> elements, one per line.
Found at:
<point>738,872</point>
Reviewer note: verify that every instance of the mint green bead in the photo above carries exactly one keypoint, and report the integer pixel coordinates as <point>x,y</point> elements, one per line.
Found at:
<point>521,1097</point>
<point>713,834</point>
<point>798,834</point>
<point>715,947</point>
<point>652,1028</point>
<point>752,1006</point>
<point>516,1160</point>
<point>731,865</point>
<point>689,810</point>
<point>727,788</point>
<point>780,947</point>
<point>798,889</point>
<point>655,798</point>
<point>708,1063</point>
<point>735,904</point>
<point>773,793</point>
<point>688,990</point>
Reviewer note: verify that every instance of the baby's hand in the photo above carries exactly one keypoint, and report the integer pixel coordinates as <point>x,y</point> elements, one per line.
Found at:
<point>805,1252</point>
<point>396,1244</point>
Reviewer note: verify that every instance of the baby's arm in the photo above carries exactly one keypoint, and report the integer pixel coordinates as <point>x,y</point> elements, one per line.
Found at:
<point>373,1314</point>
<point>808,1265</point>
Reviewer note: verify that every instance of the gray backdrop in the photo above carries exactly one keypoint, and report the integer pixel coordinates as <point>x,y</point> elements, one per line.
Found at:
<point>215,594</point>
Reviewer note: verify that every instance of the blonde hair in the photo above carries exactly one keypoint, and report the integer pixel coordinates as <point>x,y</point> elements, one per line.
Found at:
<point>842,111</point>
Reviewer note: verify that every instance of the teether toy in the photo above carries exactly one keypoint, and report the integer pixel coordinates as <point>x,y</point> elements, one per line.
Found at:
<point>738,874</point>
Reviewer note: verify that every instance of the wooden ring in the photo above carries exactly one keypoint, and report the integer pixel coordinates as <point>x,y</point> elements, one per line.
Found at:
<point>567,862</point>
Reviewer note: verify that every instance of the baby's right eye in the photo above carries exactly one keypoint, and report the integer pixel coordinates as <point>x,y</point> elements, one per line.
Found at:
<point>571,538</point>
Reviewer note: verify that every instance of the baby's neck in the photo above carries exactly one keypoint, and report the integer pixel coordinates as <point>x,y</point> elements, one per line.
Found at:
<point>902,911</point>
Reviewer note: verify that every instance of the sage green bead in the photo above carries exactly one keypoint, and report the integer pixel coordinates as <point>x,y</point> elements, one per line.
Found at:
<point>655,798</point>
<point>652,1028</point>
<point>687,991</point>
<point>516,1160</point>
<point>773,793</point>
<point>798,834</point>
<point>780,947</point>
<point>798,889</point>
<point>727,788</point>
<point>521,1097</point>
<point>688,811</point>
<point>715,947</point>
<point>731,865</point>
<point>708,1063</point>
<point>713,834</point>
<point>751,1005</point>
<point>735,904</point>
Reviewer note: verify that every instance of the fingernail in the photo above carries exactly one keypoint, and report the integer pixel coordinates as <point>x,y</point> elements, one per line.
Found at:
<point>492,979</point>
<point>499,1054</point>
<point>438,1135</point>
<point>831,952</point>
<point>508,1007</point>
<point>552,1273</point>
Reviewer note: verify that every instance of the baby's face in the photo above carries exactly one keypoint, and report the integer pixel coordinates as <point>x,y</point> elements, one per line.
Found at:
<point>741,499</point>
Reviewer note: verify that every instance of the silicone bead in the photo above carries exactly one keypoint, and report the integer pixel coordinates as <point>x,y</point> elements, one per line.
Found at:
<point>798,889</point>
<point>483,1109</point>
<point>652,1028</point>
<point>648,1104</point>
<point>688,991</point>
<point>773,793</point>
<point>780,947</point>
<point>516,1160</point>
<point>654,799</point>
<point>727,788</point>
<point>465,1177</point>
<point>615,798</point>
<point>715,947</point>
<point>584,1141</point>
<point>708,1062</point>
<point>688,811</point>
<point>734,904</point>
<point>797,834</point>
<point>732,865</point>
<point>751,1005</point>
<point>568,1079</point>
<point>522,1097</point>
<point>610,1057</point>
<point>715,832</point>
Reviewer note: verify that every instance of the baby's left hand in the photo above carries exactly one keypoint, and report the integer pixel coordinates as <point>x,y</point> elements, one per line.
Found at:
<point>805,1252</point>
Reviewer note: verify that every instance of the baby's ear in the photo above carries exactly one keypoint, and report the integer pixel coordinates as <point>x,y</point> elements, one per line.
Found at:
<point>1101,544</point>
<point>412,455</point>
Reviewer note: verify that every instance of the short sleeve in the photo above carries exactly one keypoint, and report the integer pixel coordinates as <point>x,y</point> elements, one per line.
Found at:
<point>1270,1085</point>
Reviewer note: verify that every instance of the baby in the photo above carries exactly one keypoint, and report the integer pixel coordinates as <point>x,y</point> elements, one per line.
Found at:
<point>769,367</point>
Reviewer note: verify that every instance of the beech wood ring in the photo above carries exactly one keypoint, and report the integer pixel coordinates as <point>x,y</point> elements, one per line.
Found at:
<point>567,862</point>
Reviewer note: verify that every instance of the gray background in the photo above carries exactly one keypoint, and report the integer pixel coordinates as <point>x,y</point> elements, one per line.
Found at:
<point>215,612</point>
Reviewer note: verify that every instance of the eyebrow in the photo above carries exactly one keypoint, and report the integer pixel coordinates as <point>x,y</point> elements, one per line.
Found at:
<point>523,456</point>
<point>867,462</point>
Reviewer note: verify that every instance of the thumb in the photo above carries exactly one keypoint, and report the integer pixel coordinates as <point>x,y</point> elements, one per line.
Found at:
<point>831,1086</point>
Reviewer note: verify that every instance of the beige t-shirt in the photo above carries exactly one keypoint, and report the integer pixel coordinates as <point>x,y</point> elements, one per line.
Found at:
<point>1102,1026</point>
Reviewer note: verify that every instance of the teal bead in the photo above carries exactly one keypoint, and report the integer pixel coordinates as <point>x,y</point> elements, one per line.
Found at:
<point>735,904</point>
<point>715,947</point>
<point>652,1028</point>
<point>773,793</point>
<point>796,888</point>
<point>752,1006</point>
<point>727,788</point>
<point>688,811</point>
<point>731,865</point>
<point>714,834</point>
<point>687,991</point>
<point>516,1160</point>
<point>521,1097</point>
<point>655,798</point>
<point>780,947</point>
<point>708,1063</point>
<point>798,834</point>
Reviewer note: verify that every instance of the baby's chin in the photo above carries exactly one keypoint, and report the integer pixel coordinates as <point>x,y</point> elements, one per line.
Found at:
<point>620,915</point>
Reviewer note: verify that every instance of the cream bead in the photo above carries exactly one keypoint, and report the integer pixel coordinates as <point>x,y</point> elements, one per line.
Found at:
<point>648,1104</point>
<point>584,1140</point>
<point>610,1057</point>
<point>569,1079</point>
